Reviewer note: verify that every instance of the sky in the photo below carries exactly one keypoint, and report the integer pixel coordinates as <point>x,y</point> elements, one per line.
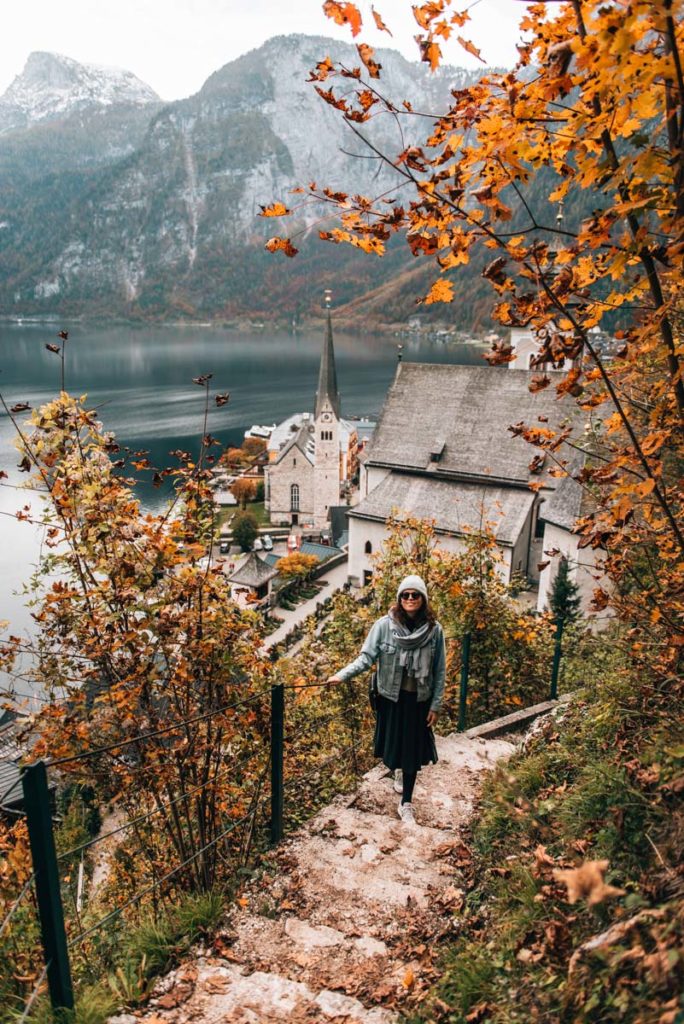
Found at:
<point>174,45</point>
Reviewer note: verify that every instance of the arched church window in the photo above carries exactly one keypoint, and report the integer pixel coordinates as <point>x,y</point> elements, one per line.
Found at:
<point>368,548</point>
<point>294,497</point>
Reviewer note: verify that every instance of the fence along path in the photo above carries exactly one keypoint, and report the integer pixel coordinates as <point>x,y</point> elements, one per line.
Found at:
<point>341,930</point>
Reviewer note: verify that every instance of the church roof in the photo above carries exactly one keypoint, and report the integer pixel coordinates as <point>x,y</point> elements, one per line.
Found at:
<point>327,377</point>
<point>286,430</point>
<point>456,507</point>
<point>454,420</point>
<point>253,572</point>
<point>303,439</point>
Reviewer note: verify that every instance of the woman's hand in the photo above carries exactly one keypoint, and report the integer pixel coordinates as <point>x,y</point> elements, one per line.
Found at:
<point>334,679</point>
<point>432,718</point>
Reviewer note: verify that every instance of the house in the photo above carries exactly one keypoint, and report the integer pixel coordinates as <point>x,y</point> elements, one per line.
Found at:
<point>559,513</point>
<point>313,457</point>
<point>442,450</point>
<point>250,583</point>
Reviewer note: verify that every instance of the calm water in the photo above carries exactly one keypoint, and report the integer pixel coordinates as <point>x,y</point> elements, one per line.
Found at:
<point>140,380</point>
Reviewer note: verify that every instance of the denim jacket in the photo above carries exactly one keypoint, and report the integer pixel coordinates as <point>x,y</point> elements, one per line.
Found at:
<point>380,648</point>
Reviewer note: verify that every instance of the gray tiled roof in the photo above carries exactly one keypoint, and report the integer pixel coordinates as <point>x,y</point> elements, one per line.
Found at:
<point>253,572</point>
<point>468,409</point>
<point>320,551</point>
<point>567,503</point>
<point>303,439</point>
<point>456,507</point>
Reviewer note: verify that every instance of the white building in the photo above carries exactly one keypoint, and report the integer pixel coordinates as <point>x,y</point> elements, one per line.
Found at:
<point>313,458</point>
<point>442,450</point>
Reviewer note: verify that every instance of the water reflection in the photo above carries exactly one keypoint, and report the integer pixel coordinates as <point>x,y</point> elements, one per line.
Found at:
<point>140,380</point>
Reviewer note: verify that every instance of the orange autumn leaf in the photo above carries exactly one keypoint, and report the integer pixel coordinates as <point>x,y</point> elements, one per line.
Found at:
<point>277,244</point>
<point>379,22</point>
<point>430,52</point>
<point>366,54</point>
<point>344,14</point>
<point>274,210</point>
<point>645,487</point>
<point>441,291</point>
<point>470,48</point>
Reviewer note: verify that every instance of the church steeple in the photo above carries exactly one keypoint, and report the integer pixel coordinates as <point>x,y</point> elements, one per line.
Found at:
<point>327,393</point>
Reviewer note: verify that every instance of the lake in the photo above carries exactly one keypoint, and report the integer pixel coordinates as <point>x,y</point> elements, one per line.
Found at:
<point>140,380</point>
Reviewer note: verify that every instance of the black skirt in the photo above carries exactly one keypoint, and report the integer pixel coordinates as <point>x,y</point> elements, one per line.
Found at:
<point>403,738</point>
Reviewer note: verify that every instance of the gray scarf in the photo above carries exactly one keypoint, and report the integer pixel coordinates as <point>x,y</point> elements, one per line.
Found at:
<point>415,650</point>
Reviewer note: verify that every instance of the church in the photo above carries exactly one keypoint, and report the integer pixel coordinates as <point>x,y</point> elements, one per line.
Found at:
<point>313,458</point>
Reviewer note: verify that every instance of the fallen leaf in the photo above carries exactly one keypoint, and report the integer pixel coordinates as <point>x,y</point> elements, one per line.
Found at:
<point>586,882</point>
<point>542,859</point>
<point>216,983</point>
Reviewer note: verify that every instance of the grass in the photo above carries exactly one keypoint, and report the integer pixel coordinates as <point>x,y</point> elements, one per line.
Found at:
<point>593,785</point>
<point>147,951</point>
<point>224,516</point>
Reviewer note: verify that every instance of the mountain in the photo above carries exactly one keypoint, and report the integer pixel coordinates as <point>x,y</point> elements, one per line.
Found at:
<point>52,87</point>
<point>112,203</point>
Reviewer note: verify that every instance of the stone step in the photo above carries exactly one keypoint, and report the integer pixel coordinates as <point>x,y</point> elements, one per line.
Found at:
<point>221,993</point>
<point>341,930</point>
<point>317,955</point>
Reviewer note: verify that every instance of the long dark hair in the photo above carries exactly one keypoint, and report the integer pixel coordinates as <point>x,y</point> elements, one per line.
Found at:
<point>424,612</point>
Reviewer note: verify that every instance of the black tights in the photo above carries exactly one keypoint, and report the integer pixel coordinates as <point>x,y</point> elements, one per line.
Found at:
<point>408,782</point>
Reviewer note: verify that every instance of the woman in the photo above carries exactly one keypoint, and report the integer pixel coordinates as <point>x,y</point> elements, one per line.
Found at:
<point>408,647</point>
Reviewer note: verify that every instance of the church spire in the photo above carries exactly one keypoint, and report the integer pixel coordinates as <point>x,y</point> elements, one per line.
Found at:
<point>327,377</point>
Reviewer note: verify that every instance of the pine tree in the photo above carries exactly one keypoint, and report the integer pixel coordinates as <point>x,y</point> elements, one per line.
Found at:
<point>565,600</point>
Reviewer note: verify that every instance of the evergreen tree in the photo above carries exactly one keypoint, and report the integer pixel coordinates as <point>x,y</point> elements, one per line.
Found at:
<point>245,530</point>
<point>565,600</point>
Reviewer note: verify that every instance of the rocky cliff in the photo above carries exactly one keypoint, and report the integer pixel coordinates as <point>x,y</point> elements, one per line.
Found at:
<point>114,203</point>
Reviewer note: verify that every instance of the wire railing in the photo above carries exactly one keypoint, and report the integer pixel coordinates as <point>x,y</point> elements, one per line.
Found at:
<point>59,937</point>
<point>335,720</point>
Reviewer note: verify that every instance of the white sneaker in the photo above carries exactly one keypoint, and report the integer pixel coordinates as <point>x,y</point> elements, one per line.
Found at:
<point>398,780</point>
<point>406,814</point>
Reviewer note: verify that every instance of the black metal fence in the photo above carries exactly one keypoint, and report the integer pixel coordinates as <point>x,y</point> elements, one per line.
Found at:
<point>469,641</point>
<point>44,882</point>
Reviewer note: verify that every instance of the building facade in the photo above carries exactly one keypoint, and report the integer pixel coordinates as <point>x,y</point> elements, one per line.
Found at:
<point>312,458</point>
<point>443,450</point>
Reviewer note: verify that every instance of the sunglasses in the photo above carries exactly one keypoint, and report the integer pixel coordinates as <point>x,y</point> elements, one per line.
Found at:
<point>410,595</point>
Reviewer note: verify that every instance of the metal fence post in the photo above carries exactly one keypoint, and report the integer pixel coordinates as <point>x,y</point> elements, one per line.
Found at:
<point>277,743</point>
<point>44,855</point>
<point>465,670</point>
<point>557,652</point>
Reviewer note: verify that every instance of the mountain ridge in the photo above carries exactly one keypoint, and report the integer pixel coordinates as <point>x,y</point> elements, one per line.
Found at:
<point>52,86</point>
<point>151,209</point>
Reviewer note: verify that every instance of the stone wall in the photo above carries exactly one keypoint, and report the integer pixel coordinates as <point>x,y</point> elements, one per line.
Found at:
<point>293,468</point>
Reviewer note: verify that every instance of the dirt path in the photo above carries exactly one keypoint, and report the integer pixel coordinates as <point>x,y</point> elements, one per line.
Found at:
<point>342,930</point>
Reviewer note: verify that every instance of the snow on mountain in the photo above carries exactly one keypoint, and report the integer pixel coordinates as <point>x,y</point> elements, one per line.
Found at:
<point>172,224</point>
<point>52,86</point>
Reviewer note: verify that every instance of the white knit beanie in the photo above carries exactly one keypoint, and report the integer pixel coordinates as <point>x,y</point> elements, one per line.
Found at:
<point>412,583</point>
